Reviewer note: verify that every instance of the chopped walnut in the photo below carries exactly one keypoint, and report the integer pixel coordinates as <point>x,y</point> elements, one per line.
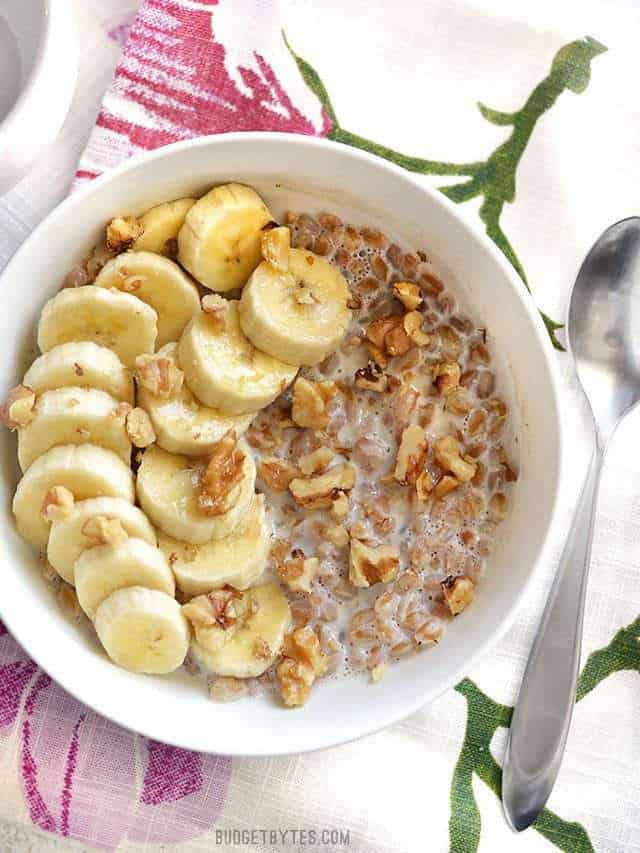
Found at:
<point>371,378</point>
<point>377,355</point>
<point>275,245</point>
<point>447,451</point>
<point>321,491</point>
<point>299,572</point>
<point>397,341</point>
<point>311,402</point>
<point>458,593</point>
<point>215,307</point>
<point>412,324</point>
<point>337,535</point>
<point>139,428</point>
<point>122,232</point>
<point>379,329</point>
<point>411,454</point>
<point>340,506</point>
<point>424,486</point>
<point>277,473</point>
<point>19,410</point>
<point>458,401</point>
<point>370,565</point>
<point>57,504</point>
<point>279,549</point>
<point>409,294</point>
<point>303,661</point>
<point>446,485</point>
<point>223,474</point>
<point>159,375</point>
<point>101,530</point>
<point>317,461</point>
<point>498,507</point>
<point>213,616</point>
<point>447,377</point>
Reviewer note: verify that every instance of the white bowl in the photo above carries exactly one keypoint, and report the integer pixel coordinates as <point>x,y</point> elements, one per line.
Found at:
<point>38,69</point>
<point>301,173</point>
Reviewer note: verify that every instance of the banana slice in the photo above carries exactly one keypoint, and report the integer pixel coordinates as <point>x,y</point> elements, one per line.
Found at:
<point>161,225</point>
<point>86,470</point>
<point>238,559</point>
<point>160,283</point>
<point>168,487</point>
<point>67,541</point>
<point>254,646</point>
<point>101,570</point>
<point>116,320</point>
<point>219,242</point>
<point>143,630</point>
<point>299,316</point>
<point>182,424</point>
<point>224,370</point>
<point>74,416</point>
<point>84,365</point>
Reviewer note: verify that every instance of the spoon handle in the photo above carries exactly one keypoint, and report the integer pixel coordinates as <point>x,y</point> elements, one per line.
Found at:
<point>542,715</point>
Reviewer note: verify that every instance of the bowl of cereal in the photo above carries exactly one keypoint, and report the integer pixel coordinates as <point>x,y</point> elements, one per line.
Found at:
<point>288,439</point>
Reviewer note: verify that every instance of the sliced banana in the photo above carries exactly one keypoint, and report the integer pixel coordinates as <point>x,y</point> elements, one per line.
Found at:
<point>161,225</point>
<point>83,364</point>
<point>299,316</point>
<point>238,559</point>
<point>219,242</point>
<point>143,630</point>
<point>224,370</point>
<point>182,424</point>
<point>113,319</point>
<point>86,470</point>
<point>168,486</point>
<point>160,283</point>
<point>67,541</point>
<point>101,570</point>
<point>254,646</point>
<point>74,416</point>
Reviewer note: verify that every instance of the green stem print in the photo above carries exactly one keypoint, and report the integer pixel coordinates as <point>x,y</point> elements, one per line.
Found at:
<point>494,179</point>
<point>484,717</point>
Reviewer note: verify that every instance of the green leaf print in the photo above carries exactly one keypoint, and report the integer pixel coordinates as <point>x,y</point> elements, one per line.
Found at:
<point>493,179</point>
<point>622,653</point>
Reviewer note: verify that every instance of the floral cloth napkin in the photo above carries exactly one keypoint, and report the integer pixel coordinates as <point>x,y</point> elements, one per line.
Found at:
<point>545,161</point>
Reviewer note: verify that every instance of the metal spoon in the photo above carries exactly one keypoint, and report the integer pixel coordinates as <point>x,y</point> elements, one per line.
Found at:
<point>604,336</point>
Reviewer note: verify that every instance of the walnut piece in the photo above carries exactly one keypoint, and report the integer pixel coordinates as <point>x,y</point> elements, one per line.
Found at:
<point>139,428</point>
<point>159,375</point>
<point>424,485</point>
<point>446,485</point>
<point>222,476</point>
<point>57,504</point>
<point>316,462</point>
<point>275,245</point>
<point>412,324</point>
<point>446,376</point>
<point>303,661</point>
<point>19,410</point>
<point>447,451</point>
<point>409,294</point>
<point>122,232</point>
<point>371,378</point>
<point>397,341</point>
<point>321,491</point>
<point>458,401</point>
<point>277,473</point>
<point>377,355</point>
<point>299,572</point>
<point>311,402</point>
<point>102,530</point>
<point>213,617</point>
<point>372,564</point>
<point>340,506</point>
<point>411,454</point>
<point>458,592</point>
<point>215,307</point>
<point>379,329</point>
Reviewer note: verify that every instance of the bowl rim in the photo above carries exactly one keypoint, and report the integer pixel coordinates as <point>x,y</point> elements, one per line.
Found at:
<point>58,17</point>
<point>61,675</point>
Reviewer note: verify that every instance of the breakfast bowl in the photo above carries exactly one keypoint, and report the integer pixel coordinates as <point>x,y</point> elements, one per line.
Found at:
<point>301,174</point>
<point>38,68</point>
